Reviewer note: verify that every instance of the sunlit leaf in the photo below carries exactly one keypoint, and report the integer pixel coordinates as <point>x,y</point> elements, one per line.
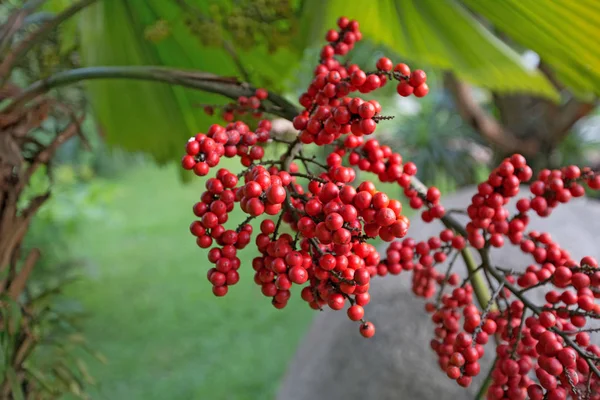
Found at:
<point>563,32</point>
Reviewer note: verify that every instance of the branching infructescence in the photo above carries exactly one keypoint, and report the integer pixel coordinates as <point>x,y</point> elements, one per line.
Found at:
<point>543,350</point>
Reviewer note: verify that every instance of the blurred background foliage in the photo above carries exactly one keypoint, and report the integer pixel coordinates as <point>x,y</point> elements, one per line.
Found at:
<point>530,71</point>
<point>115,221</point>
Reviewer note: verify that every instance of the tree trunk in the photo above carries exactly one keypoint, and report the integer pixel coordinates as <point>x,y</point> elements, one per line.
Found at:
<point>529,125</point>
<point>17,166</point>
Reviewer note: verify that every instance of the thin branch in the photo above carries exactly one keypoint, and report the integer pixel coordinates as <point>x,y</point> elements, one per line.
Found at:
<point>18,284</point>
<point>470,275</point>
<point>484,123</point>
<point>44,156</point>
<point>226,86</point>
<point>312,160</point>
<point>540,283</point>
<point>486,383</point>
<point>446,277</point>
<point>487,310</point>
<point>519,333</point>
<point>244,222</point>
<point>550,75</point>
<point>277,225</point>
<point>567,115</point>
<point>228,47</point>
<point>576,331</point>
<point>310,177</point>
<point>456,211</point>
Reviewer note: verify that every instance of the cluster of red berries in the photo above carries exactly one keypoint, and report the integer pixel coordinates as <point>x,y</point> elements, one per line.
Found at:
<point>204,151</point>
<point>411,82</point>
<point>333,277</point>
<point>566,314</point>
<point>263,192</point>
<point>329,112</point>
<point>212,210</point>
<point>332,216</point>
<point>422,258</point>
<point>280,265</point>
<point>459,351</point>
<point>531,344</point>
<point>244,105</point>
<point>538,343</point>
<point>553,187</point>
<point>430,200</point>
<point>332,219</point>
<point>327,253</point>
<point>328,123</point>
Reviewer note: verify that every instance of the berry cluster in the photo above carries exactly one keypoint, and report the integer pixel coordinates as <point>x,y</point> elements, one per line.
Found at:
<point>487,211</point>
<point>332,219</point>
<point>543,351</point>
<point>213,209</point>
<point>538,343</point>
<point>204,151</point>
<point>329,112</point>
<point>559,186</point>
<point>244,105</point>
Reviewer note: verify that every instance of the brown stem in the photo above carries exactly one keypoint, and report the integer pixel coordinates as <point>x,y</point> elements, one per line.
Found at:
<point>307,176</point>
<point>226,86</point>
<point>46,154</point>
<point>484,123</point>
<point>18,283</point>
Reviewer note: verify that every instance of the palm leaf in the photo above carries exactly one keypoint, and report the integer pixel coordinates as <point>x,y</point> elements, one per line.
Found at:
<point>563,32</point>
<point>157,118</point>
<point>15,384</point>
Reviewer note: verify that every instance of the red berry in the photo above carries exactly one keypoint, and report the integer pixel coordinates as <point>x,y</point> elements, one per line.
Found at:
<point>402,69</point>
<point>298,275</point>
<point>385,64</point>
<point>367,330</point>
<point>356,312</point>
<point>276,194</point>
<point>404,89</point>
<point>421,90</point>
<point>336,301</point>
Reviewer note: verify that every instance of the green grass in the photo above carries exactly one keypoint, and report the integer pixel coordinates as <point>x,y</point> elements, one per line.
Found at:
<point>152,312</point>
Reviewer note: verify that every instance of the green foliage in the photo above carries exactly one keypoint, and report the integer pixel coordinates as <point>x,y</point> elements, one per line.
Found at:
<point>75,198</point>
<point>55,365</point>
<point>439,142</point>
<point>268,38</point>
<point>97,160</point>
<point>157,118</point>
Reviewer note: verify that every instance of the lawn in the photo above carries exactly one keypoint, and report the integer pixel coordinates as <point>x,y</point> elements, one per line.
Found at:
<point>152,312</point>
